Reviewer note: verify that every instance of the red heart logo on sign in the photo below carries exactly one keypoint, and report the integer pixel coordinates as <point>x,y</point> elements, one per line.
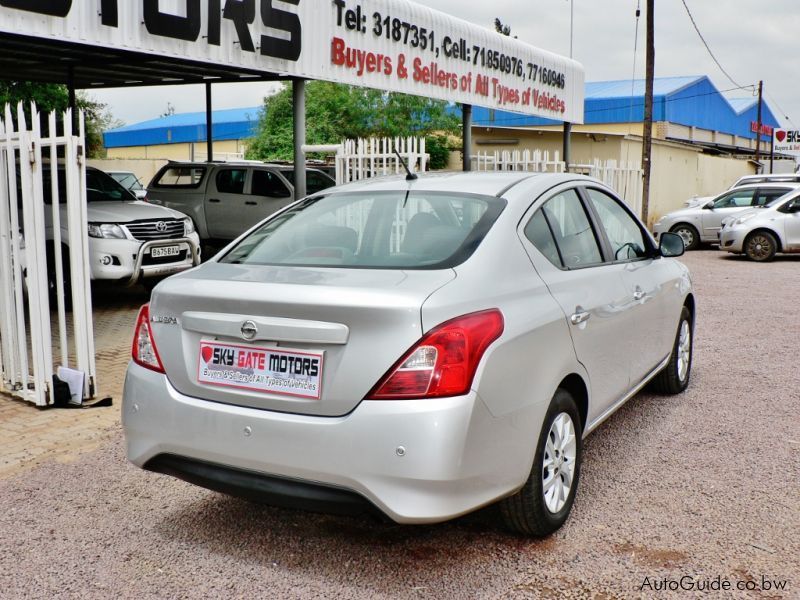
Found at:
<point>780,135</point>
<point>206,352</point>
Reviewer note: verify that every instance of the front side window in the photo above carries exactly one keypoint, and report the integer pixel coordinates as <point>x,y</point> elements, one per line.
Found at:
<point>231,181</point>
<point>622,230</point>
<point>392,230</point>
<point>571,239</point>
<point>736,199</point>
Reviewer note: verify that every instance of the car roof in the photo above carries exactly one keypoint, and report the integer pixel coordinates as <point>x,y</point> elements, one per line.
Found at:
<point>769,185</point>
<point>482,183</point>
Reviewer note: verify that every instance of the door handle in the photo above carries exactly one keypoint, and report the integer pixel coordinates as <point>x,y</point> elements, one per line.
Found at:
<point>580,317</point>
<point>251,203</point>
<point>638,293</point>
<point>213,200</point>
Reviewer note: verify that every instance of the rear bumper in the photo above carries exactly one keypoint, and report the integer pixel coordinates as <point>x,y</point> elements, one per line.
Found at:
<point>454,458</point>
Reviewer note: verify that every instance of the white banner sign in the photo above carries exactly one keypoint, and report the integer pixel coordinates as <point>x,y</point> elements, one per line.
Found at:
<point>392,45</point>
<point>787,141</point>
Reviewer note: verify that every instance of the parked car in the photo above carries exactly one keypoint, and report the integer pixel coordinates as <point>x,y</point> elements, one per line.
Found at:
<point>130,182</point>
<point>762,233</point>
<point>129,241</point>
<point>418,348</point>
<point>700,224</point>
<point>226,199</point>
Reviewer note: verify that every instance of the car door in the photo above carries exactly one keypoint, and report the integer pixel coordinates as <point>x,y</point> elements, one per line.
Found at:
<point>649,281</point>
<point>269,192</point>
<point>790,215</point>
<point>564,247</point>
<point>225,202</point>
<point>728,204</point>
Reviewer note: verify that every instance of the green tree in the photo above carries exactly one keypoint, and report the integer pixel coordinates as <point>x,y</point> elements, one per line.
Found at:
<point>335,112</point>
<point>53,97</point>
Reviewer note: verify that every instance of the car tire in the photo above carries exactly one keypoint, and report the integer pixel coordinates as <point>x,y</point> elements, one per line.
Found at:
<point>761,246</point>
<point>538,508</point>
<point>674,378</point>
<point>690,236</point>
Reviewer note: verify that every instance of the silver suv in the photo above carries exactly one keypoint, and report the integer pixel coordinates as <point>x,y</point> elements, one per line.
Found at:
<point>225,199</point>
<point>701,224</point>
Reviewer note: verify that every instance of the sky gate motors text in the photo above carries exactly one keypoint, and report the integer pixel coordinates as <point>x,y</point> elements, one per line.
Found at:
<point>189,26</point>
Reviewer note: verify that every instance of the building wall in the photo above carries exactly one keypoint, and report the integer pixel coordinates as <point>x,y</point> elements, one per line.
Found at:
<point>679,171</point>
<point>178,151</point>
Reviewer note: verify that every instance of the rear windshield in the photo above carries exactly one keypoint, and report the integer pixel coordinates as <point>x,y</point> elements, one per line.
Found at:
<point>387,230</point>
<point>180,177</point>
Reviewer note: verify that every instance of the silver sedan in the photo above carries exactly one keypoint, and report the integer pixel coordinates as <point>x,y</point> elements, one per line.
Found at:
<point>762,233</point>
<point>700,223</point>
<point>419,348</point>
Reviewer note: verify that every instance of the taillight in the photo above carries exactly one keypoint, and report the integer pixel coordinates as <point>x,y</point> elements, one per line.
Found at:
<point>144,351</point>
<point>444,361</point>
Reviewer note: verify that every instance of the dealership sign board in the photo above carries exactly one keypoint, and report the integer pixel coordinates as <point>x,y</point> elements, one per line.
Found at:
<point>392,45</point>
<point>786,141</point>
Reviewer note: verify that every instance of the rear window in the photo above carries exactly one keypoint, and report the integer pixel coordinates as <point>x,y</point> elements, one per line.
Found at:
<point>180,177</point>
<point>387,230</point>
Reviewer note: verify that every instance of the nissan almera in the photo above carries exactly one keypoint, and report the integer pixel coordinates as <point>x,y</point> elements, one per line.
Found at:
<point>417,348</point>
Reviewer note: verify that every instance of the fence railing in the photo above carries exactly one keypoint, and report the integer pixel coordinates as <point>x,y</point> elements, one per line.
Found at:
<point>43,230</point>
<point>624,177</point>
<point>372,157</point>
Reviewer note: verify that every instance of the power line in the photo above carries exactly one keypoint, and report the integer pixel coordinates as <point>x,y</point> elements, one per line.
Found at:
<point>783,112</point>
<point>702,39</point>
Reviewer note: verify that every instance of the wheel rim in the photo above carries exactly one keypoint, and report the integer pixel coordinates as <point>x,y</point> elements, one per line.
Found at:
<point>684,351</point>
<point>687,235</point>
<point>558,468</point>
<point>759,247</point>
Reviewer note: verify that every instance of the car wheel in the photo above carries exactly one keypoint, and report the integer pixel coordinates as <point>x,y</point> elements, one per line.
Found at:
<point>691,239</point>
<point>761,246</point>
<point>544,502</point>
<point>674,378</point>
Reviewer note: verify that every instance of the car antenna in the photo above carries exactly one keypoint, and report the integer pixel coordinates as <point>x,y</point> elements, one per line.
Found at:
<point>411,176</point>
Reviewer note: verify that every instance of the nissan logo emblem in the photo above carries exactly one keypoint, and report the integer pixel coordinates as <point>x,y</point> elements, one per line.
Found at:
<point>249,330</point>
<point>161,226</point>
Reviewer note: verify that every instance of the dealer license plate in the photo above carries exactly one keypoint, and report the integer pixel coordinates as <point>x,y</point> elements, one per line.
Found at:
<point>268,370</point>
<point>165,251</point>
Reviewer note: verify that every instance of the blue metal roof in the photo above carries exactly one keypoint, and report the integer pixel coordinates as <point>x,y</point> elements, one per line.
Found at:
<point>690,101</point>
<point>231,124</point>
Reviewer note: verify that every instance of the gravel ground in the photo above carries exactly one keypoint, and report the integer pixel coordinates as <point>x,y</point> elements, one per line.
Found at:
<point>703,485</point>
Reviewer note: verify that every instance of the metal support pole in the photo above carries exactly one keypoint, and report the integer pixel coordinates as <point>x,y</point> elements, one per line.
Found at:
<point>647,137</point>
<point>73,103</point>
<point>209,126</point>
<point>466,137</point>
<point>758,125</point>
<point>771,152</point>
<point>299,107</point>
<point>567,145</point>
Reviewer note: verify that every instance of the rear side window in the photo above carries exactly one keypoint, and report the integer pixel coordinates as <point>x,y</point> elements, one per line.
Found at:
<point>767,196</point>
<point>180,177</point>
<point>231,181</point>
<point>389,230</point>
<point>269,185</point>
<point>571,242</point>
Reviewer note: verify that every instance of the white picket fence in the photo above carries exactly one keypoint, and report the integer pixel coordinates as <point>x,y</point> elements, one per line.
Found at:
<point>372,157</point>
<point>31,237</point>
<point>624,177</point>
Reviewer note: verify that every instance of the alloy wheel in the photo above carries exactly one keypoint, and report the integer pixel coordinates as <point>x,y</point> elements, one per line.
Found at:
<point>558,463</point>
<point>684,351</point>
<point>759,247</point>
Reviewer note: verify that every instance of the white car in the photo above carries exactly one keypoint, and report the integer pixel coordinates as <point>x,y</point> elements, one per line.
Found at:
<point>130,182</point>
<point>129,241</point>
<point>763,232</point>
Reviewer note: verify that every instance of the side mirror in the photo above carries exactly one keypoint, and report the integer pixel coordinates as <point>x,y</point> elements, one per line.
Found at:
<point>671,245</point>
<point>709,205</point>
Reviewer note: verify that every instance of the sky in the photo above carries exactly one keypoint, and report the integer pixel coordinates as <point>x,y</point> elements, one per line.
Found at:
<point>752,39</point>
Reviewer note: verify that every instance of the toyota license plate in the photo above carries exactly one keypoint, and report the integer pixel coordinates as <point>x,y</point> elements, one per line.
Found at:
<point>268,370</point>
<point>165,251</point>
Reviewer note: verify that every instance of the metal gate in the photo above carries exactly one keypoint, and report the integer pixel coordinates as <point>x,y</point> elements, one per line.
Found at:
<point>35,230</point>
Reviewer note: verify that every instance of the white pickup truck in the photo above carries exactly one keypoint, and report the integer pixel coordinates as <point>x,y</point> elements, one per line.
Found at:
<point>129,241</point>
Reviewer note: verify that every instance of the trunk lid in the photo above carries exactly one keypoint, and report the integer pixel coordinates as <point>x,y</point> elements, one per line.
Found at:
<point>257,323</point>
